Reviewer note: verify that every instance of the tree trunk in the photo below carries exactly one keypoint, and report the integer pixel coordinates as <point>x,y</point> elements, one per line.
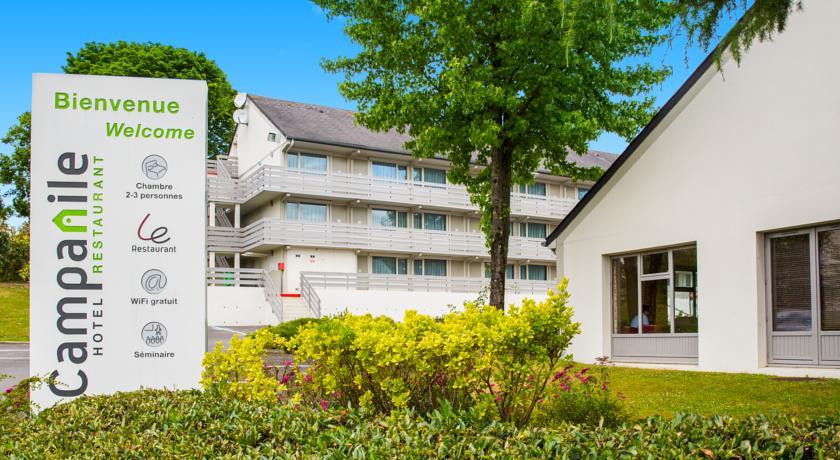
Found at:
<point>500,167</point>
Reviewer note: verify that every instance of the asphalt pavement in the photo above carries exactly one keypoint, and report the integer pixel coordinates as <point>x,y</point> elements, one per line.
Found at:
<point>14,356</point>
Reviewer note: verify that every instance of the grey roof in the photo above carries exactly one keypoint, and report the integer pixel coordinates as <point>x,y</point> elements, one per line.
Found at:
<point>328,125</point>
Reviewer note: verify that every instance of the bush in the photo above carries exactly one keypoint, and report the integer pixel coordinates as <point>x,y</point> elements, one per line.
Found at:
<point>192,424</point>
<point>500,362</point>
<point>289,329</point>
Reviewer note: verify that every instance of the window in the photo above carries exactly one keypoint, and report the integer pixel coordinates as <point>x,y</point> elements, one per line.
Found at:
<point>533,272</point>
<point>388,218</point>
<point>799,263</point>
<point>389,266</point>
<point>306,162</point>
<point>429,221</point>
<point>306,212</point>
<point>660,298</point>
<point>582,191</point>
<point>429,267</point>
<point>389,171</point>
<point>536,230</point>
<point>536,188</point>
<point>272,137</point>
<point>429,175</point>
<point>508,271</point>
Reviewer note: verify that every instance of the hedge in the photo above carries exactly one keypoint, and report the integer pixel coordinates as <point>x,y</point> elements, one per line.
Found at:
<point>192,424</point>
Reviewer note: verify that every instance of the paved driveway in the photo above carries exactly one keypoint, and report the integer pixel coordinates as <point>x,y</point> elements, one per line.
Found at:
<point>14,357</point>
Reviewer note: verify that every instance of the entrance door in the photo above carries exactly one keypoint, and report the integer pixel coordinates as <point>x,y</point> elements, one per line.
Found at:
<point>803,297</point>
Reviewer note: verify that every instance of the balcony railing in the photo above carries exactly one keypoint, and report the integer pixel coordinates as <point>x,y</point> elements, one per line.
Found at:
<point>271,232</point>
<point>248,277</point>
<point>222,188</point>
<point>373,282</point>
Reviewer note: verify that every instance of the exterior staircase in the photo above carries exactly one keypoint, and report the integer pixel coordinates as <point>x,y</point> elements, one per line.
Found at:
<point>294,308</point>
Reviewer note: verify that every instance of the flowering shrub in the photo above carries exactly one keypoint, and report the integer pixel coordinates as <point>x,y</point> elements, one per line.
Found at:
<point>241,371</point>
<point>498,362</point>
<point>581,396</point>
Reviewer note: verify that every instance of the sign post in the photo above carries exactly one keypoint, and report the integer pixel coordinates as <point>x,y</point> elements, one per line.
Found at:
<point>118,216</point>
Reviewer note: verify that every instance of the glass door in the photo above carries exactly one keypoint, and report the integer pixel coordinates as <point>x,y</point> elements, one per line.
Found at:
<point>803,296</point>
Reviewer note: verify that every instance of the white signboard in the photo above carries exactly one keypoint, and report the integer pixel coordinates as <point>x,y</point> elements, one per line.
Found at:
<point>118,227</point>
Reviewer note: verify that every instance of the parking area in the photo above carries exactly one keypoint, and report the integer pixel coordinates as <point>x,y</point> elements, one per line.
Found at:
<point>14,356</point>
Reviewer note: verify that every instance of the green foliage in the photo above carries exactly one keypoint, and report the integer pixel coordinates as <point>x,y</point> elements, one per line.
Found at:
<point>155,60</point>
<point>14,253</point>
<point>512,85</point>
<point>14,168</point>
<point>192,424</point>
<point>499,362</point>
<point>289,329</point>
<point>581,397</point>
<point>762,20</point>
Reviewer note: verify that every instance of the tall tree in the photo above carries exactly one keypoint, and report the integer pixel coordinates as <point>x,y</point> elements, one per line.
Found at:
<point>155,60</point>
<point>14,168</point>
<point>132,60</point>
<point>512,85</point>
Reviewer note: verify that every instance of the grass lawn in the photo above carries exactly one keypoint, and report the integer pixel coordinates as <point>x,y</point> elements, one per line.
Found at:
<point>652,392</point>
<point>14,312</point>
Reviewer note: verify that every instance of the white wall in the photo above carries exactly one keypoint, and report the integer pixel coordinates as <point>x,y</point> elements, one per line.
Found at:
<point>315,260</point>
<point>394,303</point>
<point>238,306</point>
<point>754,152</point>
<point>251,144</point>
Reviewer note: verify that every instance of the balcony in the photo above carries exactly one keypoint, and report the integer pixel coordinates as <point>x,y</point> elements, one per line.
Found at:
<point>373,282</point>
<point>268,233</point>
<point>225,187</point>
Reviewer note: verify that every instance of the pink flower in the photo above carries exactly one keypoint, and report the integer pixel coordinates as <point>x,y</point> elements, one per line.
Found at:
<point>9,390</point>
<point>289,363</point>
<point>307,378</point>
<point>604,386</point>
<point>324,405</point>
<point>287,377</point>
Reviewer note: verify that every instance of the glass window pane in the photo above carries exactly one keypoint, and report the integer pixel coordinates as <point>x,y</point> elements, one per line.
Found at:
<point>509,272</point>
<point>625,294</point>
<point>655,315</point>
<point>536,230</point>
<point>417,174</point>
<point>537,272</point>
<point>291,211</point>
<point>383,217</point>
<point>536,189</point>
<point>487,270</point>
<point>418,220</point>
<point>384,170</point>
<point>435,176</point>
<point>523,272</point>
<point>830,279</point>
<point>790,266</point>
<point>522,188</point>
<point>685,290</point>
<point>384,265</point>
<point>402,219</point>
<point>434,221</point>
<point>312,162</point>
<point>402,267</point>
<point>292,160</point>
<point>435,267</point>
<point>402,172</point>
<point>418,267</point>
<point>655,263</point>
<point>523,229</point>
<point>582,192</point>
<point>313,212</point>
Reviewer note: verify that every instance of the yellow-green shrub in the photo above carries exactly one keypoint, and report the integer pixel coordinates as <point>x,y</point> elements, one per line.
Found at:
<point>499,362</point>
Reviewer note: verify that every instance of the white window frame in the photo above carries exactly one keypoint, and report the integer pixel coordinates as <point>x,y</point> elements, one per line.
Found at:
<point>669,275</point>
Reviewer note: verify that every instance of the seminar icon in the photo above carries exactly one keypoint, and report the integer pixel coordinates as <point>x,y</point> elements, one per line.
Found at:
<point>155,167</point>
<point>154,334</point>
<point>153,281</point>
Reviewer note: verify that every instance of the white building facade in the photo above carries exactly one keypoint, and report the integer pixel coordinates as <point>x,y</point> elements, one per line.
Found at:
<point>313,215</point>
<point>714,240</point>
